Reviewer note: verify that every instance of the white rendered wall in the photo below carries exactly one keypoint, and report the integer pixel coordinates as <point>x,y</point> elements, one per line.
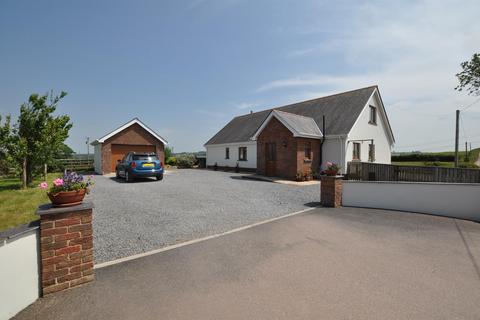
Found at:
<point>456,200</point>
<point>19,273</point>
<point>379,133</point>
<point>216,154</point>
<point>332,150</point>
<point>97,159</point>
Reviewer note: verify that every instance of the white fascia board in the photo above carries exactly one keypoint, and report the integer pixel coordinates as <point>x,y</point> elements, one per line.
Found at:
<point>94,143</point>
<point>383,113</point>
<point>128,124</point>
<point>304,135</point>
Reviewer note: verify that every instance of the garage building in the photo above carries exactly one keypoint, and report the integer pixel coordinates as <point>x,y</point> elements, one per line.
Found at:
<point>133,136</point>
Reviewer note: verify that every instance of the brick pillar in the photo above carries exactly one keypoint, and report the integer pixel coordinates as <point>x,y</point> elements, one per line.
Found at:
<point>331,191</point>
<point>66,246</point>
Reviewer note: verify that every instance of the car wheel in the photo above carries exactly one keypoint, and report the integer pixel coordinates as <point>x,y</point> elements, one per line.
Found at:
<point>128,178</point>
<point>160,177</point>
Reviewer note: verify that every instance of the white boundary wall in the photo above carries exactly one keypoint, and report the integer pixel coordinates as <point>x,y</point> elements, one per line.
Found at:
<point>19,272</point>
<point>457,200</point>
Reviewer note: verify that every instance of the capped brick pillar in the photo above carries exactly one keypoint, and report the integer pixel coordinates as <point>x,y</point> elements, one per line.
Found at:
<point>66,246</point>
<point>331,191</point>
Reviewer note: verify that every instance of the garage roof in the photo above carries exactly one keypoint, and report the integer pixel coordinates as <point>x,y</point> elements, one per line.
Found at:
<point>126,125</point>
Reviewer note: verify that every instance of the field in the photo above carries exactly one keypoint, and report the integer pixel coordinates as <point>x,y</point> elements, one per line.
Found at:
<point>473,157</point>
<point>18,206</point>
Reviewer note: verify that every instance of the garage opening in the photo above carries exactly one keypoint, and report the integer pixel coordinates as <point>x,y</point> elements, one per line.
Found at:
<point>120,150</point>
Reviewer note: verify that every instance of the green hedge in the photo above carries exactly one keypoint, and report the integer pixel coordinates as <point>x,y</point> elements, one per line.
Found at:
<point>423,157</point>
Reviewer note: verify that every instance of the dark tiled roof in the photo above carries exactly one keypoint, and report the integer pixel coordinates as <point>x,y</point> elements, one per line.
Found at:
<point>340,111</point>
<point>300,124</point>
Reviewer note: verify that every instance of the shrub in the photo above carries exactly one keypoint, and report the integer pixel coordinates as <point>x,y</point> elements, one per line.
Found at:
<point>186,161</point>
<point>423,157</point>
<point>172,161</point>
<point>467,165</point>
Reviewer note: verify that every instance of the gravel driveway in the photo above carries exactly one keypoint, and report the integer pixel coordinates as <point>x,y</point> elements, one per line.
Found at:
<point>131,218</point>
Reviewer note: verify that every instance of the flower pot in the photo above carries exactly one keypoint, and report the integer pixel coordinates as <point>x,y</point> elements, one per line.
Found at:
<point>67,198</point>
<point>331,172</point>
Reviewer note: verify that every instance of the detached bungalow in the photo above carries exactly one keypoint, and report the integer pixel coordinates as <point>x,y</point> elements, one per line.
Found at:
<point>283,141</point>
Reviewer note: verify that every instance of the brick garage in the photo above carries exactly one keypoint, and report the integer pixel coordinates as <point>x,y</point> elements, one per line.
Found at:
<point>282,149</point>
<point>133,136</point>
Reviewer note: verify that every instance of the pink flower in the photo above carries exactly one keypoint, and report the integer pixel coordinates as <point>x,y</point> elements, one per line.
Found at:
<point>43,185</point>
<point>91,176</point>
<point>58,182</point>
<point>329,163</point>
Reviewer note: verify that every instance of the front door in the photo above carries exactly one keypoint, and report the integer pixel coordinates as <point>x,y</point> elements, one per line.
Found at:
<point>270,159</point>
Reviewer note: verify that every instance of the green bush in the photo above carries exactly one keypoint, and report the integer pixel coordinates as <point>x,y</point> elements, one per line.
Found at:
<point>172,161</point>
<point>186,161</point>
<point>423,157</point>
<point>467,165</point>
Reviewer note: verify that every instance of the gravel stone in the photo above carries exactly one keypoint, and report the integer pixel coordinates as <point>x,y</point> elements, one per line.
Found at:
<point>131,218</point>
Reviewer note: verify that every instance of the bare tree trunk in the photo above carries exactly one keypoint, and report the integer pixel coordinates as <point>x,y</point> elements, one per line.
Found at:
<point>45,172</point>
<point>24,174</point>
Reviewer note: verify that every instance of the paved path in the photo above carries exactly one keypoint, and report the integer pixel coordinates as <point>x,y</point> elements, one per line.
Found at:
<point>343,263</point>
<point>131,218</point>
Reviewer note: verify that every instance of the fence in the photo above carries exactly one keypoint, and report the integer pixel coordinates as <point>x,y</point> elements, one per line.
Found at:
<point>367,171</point>
<point>75,164</point>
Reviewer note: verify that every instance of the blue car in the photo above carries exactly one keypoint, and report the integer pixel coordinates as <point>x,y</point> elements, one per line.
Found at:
<point>139,165</point>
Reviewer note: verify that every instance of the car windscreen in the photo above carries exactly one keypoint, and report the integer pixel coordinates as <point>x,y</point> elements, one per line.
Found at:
<point>145,157</point>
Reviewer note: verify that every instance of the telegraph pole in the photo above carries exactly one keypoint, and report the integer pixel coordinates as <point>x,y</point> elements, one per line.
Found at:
<point>466,152</point>
<point>456,137</point>
<point>88,148</point>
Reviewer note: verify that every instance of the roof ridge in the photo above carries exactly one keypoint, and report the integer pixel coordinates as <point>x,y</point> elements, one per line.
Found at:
<point>318,98</point>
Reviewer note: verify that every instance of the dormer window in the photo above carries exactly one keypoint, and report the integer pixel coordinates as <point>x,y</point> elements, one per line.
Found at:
<point>373,115</point>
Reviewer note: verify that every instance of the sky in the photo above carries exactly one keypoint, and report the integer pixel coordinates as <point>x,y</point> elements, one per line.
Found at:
<point>186,68</point>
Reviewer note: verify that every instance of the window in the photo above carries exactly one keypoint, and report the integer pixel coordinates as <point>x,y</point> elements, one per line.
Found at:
<point>145,157</point>
<point>308,150</point>
<point>373,115</point>
<point>227,153</point>
<point>271,151</point>
<point>371,152</point>
<point>356,151</point>
<point>242,154</point>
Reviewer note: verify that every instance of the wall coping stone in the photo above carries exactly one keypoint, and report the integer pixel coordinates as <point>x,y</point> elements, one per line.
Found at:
<point>49,209</point>
<point>19,230</point>
<point>413,182</point>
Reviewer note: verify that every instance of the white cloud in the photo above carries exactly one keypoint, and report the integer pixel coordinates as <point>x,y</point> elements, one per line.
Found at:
<point>245,105</point>
<point>412,53</point>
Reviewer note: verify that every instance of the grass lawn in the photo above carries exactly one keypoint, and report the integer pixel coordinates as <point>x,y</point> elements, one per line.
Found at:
<point>18,206</point>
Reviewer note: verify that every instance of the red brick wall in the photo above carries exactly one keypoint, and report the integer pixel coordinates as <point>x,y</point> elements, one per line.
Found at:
<point>66,250</point>
<point>290,159</point>
<point>331,191</point>
<point>286,164</point>
<point>303,164</point>
<point>133,135</point>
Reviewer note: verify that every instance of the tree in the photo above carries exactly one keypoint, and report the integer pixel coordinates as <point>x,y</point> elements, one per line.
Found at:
<point>469,77</point>
<point>38,135</point>
<point>168,152</point>
<point>5,131</point>
<point>64,152</point>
